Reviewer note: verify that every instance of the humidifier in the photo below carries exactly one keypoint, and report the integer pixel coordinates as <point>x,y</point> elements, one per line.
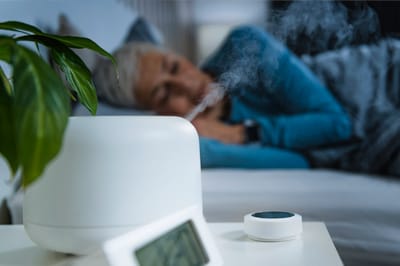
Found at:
<point>112,175</point>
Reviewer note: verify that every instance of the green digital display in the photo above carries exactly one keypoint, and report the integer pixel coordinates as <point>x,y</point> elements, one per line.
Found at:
<point>180,246</point>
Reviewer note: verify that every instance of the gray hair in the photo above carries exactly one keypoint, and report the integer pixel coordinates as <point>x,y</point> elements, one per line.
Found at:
<point>117,87</point>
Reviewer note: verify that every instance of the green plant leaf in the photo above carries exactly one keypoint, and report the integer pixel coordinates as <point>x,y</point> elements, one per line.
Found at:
<point>80,42</point>
<point>6,46</point>
<point>78,76</point>
<point>5,83</point>
<point>8,147</point>
<point>41,112</point>
<point>72,42</point>
<point>76,73</point>
<point>19,27</point>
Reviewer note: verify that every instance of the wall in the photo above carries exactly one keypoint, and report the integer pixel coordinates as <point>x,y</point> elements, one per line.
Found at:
<point>104,21</point>
<point>213,19</point>
<point>194,28</point>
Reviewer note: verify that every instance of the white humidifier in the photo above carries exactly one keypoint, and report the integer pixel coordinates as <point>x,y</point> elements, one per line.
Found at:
<point>112,175</point>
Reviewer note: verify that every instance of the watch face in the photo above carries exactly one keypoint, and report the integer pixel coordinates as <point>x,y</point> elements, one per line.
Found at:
<point>180,246</point>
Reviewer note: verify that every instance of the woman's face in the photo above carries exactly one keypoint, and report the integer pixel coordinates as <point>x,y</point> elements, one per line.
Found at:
<point>169,84</point>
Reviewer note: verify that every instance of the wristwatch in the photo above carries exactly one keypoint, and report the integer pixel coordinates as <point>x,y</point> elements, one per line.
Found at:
<point>251,131</point>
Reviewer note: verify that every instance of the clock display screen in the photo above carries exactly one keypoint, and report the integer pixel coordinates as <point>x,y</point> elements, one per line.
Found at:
<point>179,247</point>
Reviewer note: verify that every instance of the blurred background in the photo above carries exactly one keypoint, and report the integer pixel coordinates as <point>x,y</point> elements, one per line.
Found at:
<point>192,28</point>
<point>195,27</point>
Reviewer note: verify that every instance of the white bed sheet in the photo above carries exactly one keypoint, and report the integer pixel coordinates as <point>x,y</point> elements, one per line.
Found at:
<point>362,212</point>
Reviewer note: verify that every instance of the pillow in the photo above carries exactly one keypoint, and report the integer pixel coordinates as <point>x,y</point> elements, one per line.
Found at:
<point>142,31</point>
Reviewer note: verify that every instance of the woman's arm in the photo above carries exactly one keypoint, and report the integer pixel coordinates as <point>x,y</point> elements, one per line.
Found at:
<point>310,117</point>
<point>293,132</point>
<point>306,130</point>
<point>293,108</point>
<point>215,129</point>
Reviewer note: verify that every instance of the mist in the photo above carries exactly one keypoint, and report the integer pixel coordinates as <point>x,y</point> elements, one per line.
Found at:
<point>309,27</point>
<point>306,27</point>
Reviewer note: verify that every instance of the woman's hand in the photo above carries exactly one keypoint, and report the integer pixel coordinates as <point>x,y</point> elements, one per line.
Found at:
<point>215,129</point>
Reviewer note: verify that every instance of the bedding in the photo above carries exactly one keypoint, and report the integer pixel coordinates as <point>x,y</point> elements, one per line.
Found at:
<point>366,80</point>
<point>362,212</point>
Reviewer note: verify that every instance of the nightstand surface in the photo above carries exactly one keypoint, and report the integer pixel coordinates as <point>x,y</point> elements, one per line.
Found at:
<point>314,247</point>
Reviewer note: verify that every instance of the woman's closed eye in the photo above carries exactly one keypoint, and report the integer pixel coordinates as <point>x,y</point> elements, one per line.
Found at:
<point>165,97</point>
<point>174,69</point>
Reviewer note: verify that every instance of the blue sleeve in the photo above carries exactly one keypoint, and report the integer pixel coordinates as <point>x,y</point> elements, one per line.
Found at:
<point>302,131</point>
<point>305,114</point>
<point>216,154</point>
<point>312,116</point>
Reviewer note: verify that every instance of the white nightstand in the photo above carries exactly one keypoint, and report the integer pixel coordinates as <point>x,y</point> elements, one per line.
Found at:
<point>313,248</point>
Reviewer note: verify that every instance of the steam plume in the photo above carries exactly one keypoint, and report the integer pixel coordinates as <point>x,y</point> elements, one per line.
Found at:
<point>315,26</point>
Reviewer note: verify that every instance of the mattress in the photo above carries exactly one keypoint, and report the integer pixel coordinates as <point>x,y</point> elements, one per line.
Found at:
<point>362,212</point>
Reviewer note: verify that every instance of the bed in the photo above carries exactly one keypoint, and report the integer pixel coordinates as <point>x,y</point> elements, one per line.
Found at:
<point>362,212</point>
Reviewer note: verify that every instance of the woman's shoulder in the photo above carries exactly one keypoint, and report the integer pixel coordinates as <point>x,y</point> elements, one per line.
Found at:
<point>243,44</point>
<point>250,32</point>
<point>247,31</point>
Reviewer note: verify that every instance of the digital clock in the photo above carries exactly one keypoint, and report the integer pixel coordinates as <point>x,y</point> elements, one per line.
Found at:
<point>182,239</point>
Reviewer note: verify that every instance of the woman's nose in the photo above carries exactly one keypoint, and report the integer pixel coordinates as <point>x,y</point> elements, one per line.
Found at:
<point>182,82</point>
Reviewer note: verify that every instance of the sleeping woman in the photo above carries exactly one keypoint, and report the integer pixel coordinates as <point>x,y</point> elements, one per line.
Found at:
<point>272,108</point>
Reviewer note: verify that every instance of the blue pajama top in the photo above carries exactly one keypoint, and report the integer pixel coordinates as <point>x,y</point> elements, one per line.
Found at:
<point>268,84</point>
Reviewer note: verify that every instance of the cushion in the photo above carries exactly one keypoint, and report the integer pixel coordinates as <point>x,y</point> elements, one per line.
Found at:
<point>143,31</point>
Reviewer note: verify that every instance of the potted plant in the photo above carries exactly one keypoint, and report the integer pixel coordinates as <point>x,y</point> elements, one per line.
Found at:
<point>34,102</point>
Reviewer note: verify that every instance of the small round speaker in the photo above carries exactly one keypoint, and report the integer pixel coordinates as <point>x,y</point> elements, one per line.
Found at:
<point>273,225</point>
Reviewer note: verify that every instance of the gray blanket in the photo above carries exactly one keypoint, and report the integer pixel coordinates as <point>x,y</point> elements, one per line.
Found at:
<point>366,80</point>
